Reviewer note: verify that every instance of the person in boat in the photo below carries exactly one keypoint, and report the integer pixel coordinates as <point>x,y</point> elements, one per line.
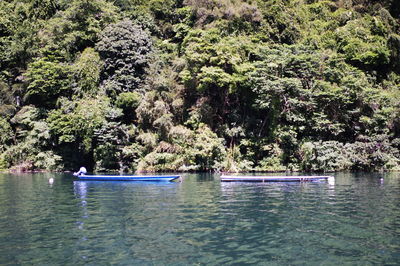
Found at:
<point>81,171</point>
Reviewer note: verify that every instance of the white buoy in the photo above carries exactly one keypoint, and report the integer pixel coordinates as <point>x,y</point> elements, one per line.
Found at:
<point>51,181</point>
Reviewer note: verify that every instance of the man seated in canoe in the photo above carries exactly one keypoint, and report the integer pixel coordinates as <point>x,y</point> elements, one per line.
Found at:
<point>81,171</point>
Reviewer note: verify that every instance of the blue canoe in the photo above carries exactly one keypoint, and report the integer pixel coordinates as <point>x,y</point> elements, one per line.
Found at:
<point>165,178</point>
<point>233,178</point>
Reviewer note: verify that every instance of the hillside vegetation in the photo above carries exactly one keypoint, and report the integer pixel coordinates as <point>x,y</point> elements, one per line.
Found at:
<point>199,85</point>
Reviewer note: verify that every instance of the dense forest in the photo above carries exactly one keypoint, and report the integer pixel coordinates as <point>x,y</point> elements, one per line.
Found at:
<point>200,85</point>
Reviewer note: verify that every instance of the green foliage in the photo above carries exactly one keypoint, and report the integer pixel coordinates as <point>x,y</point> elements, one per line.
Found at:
<point>111,137</point>
<point>272,163</point>
<point>216,72</point>
<point>128,102</point>
<point>24,120</point>
<point>199,150</point>
<point>77,26</point>
<point>43,9</point>
<point>73,127</point>
<point>205,151</point>
<point>76,121</point>
<point>3,163</point>
<point>239,15</point>
<point>360,45</point>
<point>32,149</point>
<point>372,154</point>
<point>6,134</point>
<point>18,36</point>
<point>283,21</point>
<point>325,156</point>
<point>7,106</point>
<point>86,70</point>
<point>283,82</point>
<point>183,85</point>
<point>48,79</point>
<point>48,160</point>
<point>125,49</point>
<point>153,111</point>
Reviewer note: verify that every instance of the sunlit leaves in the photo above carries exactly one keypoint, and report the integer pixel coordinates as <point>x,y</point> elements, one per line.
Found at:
<point>31,147</point>
<point>87,71</point>
<point>360,45</point>
<point>199,150</point>
<point>236,12</point>
<point>77,27</point>
<point>47,79</point>
<point>76,122</point>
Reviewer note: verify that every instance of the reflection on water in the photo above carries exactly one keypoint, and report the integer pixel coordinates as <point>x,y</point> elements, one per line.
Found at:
<point>353,220</point>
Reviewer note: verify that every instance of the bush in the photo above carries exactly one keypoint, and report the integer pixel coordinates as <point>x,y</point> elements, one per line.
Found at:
<point>199,150</point>
<point>86,71</point>
<point>6,134</point>
<point>48,161</point>
<point>48,79</point>
<point>3,162</point>
<point>370,155</point>
<point>273,161</point>
<point>325,156</point>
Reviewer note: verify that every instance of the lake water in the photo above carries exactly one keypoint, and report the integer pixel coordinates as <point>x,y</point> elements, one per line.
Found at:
<point>354,220</point>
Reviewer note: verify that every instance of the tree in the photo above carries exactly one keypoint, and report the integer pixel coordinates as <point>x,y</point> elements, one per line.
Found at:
<point>86,70</point>
<point>32,146</point>
<point>215,73</point>
<point>110,139</point>
<point>18,37</point>
<point>125,49</point>
<point>73,127</point>
<point>48,79</point>
<point>6,134</point>
<point>76,27</point>
<point>7,102</point>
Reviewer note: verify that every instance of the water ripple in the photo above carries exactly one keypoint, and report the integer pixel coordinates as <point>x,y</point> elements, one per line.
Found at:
<point>353,221</point>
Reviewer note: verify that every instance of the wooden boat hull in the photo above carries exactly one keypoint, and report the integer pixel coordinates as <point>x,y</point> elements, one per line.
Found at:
<point>226,178</point>
<point>159,178</point>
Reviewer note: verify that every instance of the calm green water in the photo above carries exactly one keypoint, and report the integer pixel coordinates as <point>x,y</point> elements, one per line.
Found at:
<point>353,221</point>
